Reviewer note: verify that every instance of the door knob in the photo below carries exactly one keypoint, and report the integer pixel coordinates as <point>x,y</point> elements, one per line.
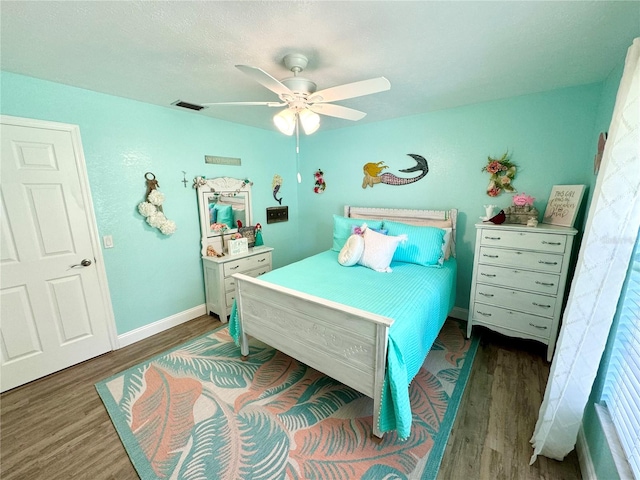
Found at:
<point>84,263</point>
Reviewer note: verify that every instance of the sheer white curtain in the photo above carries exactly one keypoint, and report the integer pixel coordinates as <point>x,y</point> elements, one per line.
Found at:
<point>611,230</point>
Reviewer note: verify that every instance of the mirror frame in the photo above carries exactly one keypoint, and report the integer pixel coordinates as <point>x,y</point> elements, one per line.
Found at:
<point>223,186</point>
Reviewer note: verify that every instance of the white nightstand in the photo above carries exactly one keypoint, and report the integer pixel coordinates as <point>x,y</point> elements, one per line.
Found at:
<point>519,277</point>
<point>220,286</point>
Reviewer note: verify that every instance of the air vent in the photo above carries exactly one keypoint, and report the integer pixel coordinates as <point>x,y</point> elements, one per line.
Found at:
<point>190,106</point>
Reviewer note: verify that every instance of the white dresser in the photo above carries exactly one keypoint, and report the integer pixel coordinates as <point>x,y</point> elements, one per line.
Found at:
<point>519,278</point>
<point>220,286</point>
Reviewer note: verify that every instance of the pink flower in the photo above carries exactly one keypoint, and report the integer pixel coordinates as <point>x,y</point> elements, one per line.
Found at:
<point>495,167</point>
<point>523,199</point>
<point>493,192</point>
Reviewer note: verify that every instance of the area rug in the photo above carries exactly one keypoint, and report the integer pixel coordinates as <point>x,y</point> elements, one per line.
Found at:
<point>199,412</point>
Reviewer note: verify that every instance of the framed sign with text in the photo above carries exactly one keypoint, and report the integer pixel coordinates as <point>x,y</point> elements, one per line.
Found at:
<point>563,205</point>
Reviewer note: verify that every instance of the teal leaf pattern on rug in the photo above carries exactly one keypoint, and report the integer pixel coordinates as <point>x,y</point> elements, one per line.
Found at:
<point>212,360</point>
<point>253,447</point>
<point>199,412</point>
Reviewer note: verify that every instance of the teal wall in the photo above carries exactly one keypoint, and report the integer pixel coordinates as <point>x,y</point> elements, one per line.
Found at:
<point>598,448</point>
<point>549,135</point>
<point>152,276</point>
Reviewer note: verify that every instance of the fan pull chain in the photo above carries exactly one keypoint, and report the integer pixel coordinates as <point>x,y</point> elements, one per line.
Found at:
<point>298,148</point>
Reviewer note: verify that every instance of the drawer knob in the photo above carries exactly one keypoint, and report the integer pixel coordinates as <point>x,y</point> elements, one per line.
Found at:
<point>483,313</point>
<point>489,256</point>
<point>539,327</point>
<point>540,305</point>
<point>545,284</point>
<point>490,275</point>
<point>488,295</point>
<point>234,268</point>
<point>544,242</point>
<point>262,260</point>
<point>547,263</point>
<point>492,238</point>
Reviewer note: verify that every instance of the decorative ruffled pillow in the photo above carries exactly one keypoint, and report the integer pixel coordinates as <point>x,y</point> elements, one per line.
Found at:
<point>379,250</point>
<point>352,251</point>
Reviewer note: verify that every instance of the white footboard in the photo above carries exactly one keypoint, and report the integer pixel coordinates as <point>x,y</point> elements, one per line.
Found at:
<point>345,343</point>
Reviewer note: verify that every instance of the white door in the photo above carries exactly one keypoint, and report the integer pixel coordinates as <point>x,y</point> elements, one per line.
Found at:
<point>55,309</point>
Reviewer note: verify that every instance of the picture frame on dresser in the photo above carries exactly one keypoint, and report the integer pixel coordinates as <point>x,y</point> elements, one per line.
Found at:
<point>563,205</point>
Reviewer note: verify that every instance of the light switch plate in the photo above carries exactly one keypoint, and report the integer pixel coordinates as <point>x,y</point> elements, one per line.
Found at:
<point>277,214</point>
<point>107,241</point>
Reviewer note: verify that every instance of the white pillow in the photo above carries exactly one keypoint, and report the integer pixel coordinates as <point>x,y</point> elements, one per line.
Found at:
<point>352,251</point>
<point>379,250</point>
<point>446,245</point>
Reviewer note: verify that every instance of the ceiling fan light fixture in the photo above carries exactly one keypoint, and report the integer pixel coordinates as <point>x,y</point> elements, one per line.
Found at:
<point>310,121</point>
<point>285,121</point>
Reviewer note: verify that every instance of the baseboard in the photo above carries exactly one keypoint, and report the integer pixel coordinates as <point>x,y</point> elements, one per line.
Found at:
<point>459,313</point>
<point>160,326</point>
<point>584,457</point>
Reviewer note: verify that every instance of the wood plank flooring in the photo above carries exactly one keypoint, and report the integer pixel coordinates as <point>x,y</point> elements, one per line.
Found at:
<point>57,428</point>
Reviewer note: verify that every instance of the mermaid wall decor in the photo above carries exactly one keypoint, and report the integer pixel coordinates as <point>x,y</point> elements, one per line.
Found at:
<point>373,173</point>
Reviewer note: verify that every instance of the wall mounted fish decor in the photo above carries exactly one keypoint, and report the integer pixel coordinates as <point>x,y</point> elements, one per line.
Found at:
<point>373,173</point>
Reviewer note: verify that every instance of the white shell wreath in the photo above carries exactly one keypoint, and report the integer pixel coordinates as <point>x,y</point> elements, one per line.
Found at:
<point>152,208</point>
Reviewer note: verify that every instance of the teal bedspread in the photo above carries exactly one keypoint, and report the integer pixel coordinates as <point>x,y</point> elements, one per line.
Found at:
<point>417,298</point>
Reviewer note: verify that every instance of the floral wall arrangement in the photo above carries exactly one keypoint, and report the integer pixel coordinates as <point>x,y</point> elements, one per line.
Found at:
<point>502,171</point>
<point>320,185</point>
<point>152,210</point>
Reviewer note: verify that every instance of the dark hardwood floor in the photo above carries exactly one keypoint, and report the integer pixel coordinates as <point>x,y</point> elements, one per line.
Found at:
<point>57,428</point>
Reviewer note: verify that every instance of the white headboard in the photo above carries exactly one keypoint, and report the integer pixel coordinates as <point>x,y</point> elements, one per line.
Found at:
<point>437,218</point>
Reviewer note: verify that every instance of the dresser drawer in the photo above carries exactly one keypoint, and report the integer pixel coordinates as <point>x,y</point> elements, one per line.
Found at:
<point>230,282</point>
<point>546,242</point>
<point>506,298</point>
<point>547,262</point>
<point>243,265</point>
<point>524,279</point>
<point>513,320</point>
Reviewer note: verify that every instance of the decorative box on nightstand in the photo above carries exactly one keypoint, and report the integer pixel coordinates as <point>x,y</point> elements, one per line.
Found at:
<point>519,277</point>
<point>220,286</point>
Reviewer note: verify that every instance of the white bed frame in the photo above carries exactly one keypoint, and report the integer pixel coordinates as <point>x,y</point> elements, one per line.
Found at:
<point>345,343</point>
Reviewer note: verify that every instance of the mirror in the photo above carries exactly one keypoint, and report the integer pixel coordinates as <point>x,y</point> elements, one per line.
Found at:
<point>223,201</point>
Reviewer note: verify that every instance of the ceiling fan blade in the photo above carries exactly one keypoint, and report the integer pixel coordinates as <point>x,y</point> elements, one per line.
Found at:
<point>266,104</point>
<point>264,79</point>
<point>337,111</point>
<point>351,90</point>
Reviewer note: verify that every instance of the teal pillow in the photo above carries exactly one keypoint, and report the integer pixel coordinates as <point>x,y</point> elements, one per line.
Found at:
<point>423,245</point>
<point>224,214</point>
<point>342,229</point>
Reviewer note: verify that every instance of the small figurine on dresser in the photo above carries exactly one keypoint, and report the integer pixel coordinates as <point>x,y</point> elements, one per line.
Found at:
<point>522,211</point>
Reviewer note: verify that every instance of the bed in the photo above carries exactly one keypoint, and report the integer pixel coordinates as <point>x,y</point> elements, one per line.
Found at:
<point>366,329</point>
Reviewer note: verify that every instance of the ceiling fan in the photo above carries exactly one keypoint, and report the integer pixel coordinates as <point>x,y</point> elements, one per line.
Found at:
<point>303,103</point>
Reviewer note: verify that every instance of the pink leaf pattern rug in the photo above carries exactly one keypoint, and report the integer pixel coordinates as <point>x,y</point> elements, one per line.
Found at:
<point>200,412</point>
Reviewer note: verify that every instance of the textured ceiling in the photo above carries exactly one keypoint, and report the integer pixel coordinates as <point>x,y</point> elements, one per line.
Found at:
<point>435,54</point>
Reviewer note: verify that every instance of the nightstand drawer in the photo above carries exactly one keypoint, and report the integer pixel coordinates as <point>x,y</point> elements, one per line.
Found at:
<point>245,264</point>
<point>546,242</point>
<point>547,262</point>
<point>512,320</point>
<point>230,282</point>
<point>524,279</point>
<point>506,298</point>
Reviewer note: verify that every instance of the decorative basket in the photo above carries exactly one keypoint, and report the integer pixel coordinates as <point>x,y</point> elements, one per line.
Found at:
<point>521,214</point>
